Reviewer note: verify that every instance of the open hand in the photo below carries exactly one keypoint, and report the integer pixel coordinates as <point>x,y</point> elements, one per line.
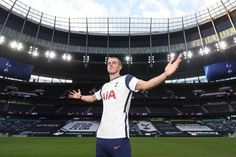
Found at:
<point>172,66</point>
<point>75,94</point>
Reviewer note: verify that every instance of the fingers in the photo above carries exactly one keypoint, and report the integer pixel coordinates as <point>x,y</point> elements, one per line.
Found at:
<point>180,56</point>
<point>73,93</point>
<point>178,60</point>
<point>171,60</point>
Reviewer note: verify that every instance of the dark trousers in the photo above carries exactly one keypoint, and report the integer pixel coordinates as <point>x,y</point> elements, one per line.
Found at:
<point>113,147</point>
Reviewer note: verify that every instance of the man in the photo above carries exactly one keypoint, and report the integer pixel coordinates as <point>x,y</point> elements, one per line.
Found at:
<point>113,132</point>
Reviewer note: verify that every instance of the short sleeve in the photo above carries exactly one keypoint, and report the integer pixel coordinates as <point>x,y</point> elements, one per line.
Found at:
<point>98,94</point>
<point>130,82</point>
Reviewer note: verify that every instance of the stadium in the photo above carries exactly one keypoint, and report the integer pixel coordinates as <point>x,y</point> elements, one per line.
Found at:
<point>44,57</point>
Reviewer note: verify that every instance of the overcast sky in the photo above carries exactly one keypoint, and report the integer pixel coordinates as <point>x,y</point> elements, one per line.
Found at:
<point>119,8</point>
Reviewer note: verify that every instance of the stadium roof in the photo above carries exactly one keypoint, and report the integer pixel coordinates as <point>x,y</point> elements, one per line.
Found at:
<point>159,20</point>
<point>120,8</point>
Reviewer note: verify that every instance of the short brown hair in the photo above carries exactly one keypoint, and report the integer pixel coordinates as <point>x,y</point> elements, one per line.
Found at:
<point>119,61</point>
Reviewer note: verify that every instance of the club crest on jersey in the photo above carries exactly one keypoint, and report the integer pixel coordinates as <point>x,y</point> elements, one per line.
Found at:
<point>109,94</point>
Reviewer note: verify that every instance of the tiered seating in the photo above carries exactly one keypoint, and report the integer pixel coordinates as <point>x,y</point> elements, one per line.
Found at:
<point>14,126</point>
<point>162,110</point>
<point>134,130</point>
<point>45,110</point>
<point>138,110</point>
<point>233,104</point>
<point>73,110</point>
<point>44,128</point>
<point>217,108</point>
<point>96,109</point>
<point>2,107</point>
<point>167,129</point>
<point>190,109</point>
<point>16,108</point>
<point>223,126</point>
<point>166,100</point>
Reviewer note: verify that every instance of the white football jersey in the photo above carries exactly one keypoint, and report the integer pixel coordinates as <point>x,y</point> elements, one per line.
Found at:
<point>116,96</point>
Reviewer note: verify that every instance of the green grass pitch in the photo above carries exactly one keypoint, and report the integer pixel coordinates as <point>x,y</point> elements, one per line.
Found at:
<point>141,147</point>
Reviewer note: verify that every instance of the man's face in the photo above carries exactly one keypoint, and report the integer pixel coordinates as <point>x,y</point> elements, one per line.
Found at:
<point>113,65</point>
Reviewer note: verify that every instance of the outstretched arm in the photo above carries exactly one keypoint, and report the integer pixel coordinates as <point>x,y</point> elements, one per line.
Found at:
<point>77,95</point>
<point>170,69</point>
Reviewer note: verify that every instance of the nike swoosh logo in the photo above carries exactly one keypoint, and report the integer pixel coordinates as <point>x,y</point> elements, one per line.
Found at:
<point>116,147</point>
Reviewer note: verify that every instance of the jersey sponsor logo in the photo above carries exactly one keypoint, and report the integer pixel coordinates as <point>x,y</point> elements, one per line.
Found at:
<point>109,94</point>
